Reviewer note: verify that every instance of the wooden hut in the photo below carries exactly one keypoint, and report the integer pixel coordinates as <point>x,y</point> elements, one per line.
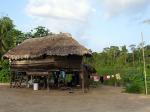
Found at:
<point>44,55</point>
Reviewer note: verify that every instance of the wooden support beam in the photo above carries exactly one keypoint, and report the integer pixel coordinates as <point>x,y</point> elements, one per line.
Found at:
<point>27,79</point>
<point>11,79</point>
<point>48,88</point>
<point>29,62</point>
<point>82,83</point>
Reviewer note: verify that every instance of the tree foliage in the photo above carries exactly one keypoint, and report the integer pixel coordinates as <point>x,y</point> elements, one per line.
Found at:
<point>129,64</point>
<point>11,37</point>
<point>6,25</point>
<point>110,61</point>
<point>39,31</point>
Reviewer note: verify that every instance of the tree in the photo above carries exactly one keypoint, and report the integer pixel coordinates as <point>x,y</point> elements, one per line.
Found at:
<point>106,52</point>
<point>39,31</point>
<point>124,52</point>
<point>15,37</point>
<point>6,25</point>
<point>114,50</point>
<point>133,51</point>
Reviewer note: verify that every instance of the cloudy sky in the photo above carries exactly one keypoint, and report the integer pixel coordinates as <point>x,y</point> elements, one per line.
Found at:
<point>94,23</point>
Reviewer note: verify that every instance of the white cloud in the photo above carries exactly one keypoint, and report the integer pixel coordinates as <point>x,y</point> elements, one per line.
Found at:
<point>74,16</point>
<point>117,7</point>
<point>61,15</point>
<point>59,9</point>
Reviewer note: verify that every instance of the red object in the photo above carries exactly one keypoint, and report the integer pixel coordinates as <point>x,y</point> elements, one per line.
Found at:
<point>105,77</point>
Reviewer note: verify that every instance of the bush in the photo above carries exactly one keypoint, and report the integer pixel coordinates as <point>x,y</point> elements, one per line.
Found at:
<point>4,72</point>
<point>134,88</point>
<point>134,82</point>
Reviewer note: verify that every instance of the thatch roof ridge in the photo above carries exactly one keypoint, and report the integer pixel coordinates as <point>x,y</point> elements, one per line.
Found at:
<point>56,44</point>
<point>51,36</point>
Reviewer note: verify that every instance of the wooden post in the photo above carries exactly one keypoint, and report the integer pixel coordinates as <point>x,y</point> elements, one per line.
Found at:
<point>145,75</point>
<point>83,87</point>
<point>11,79</point>
<point>48,88</point>
<point>82,78</point>
<point>27,81</point>
<point>10,73</point>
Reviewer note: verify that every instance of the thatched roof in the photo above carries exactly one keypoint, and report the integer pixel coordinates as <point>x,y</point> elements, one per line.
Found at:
<point>56,44</point>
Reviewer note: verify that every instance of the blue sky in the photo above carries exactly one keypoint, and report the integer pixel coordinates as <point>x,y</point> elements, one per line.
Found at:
<point>94,23</point>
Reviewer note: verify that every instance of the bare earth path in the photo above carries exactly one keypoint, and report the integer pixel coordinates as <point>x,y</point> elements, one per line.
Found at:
<point>103,99</point>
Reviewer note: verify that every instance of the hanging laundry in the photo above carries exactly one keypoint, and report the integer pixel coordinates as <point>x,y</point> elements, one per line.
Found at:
<point>108,76</point>
<point>96,78</point>
<point>112,76</point>
<point>62,73</point>
<point>68,78</point>
<point>118,77</point>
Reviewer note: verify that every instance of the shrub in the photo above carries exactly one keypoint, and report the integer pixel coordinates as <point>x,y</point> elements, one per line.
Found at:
<point>4,72</point>
<point>134,88</point>
<point>134,82</point>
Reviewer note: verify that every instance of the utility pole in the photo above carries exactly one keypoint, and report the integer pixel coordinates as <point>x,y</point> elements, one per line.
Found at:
<point>144,65</point>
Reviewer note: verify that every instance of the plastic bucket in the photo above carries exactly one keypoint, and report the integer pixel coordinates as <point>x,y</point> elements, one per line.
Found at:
<point>35,86</point>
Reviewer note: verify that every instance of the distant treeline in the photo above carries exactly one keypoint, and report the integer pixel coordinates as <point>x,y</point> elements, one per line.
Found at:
<point>129,65</point>
<point>115,59</point>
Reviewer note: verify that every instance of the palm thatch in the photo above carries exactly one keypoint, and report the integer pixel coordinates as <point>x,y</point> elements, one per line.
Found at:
<point>56,44</point>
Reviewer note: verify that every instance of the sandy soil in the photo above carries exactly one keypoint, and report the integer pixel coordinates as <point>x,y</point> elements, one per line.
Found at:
<point>102,99</point>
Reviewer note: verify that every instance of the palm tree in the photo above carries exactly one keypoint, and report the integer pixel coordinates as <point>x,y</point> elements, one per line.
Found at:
<point>6,25</point>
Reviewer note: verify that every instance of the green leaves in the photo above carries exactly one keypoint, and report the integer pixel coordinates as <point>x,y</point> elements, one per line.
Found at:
<point>39,31</point>
<point>6,25</point>
<point>118,60</point>
<point>4,71</point>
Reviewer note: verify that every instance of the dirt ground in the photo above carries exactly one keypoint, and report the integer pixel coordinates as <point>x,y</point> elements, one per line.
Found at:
<point>102,99</point>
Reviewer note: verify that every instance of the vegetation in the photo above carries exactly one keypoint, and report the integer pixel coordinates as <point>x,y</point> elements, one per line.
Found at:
<point>6,26</point>
<point>4,71</point>
<point>10,37</point>
<point>39,31</point>
<point>112,60</point>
